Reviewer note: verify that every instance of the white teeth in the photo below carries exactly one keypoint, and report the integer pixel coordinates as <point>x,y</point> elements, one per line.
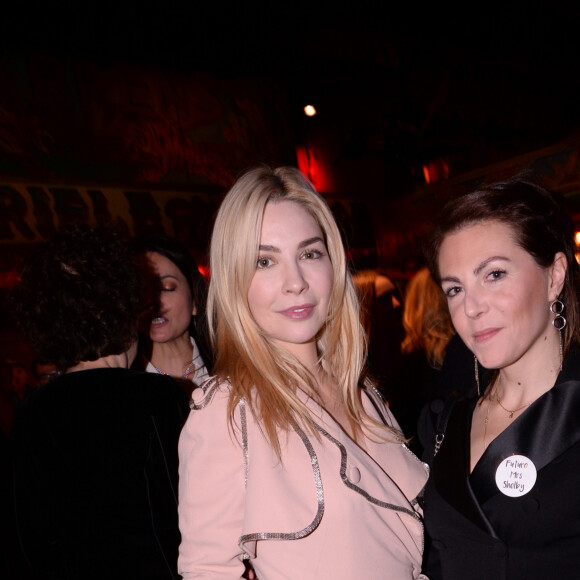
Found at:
<point>158,320</point>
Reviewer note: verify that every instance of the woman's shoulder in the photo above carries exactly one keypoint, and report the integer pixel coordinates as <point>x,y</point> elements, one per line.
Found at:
<point>380,406</point>
<point>213,391</point>
<point>151,385</point>
<point>210,418</point>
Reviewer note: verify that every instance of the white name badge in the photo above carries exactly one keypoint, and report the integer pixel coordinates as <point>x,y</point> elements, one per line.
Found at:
<point>516,475</point>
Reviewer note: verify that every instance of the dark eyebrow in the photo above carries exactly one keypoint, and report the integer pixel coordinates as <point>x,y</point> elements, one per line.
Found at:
<point>477,270</point>
<point>311,241</point>
<point>486,262</point>
<point>264,248</point>
<point>450,279</point>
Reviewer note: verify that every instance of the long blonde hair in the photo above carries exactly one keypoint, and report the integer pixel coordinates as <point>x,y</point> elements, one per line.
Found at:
<point>426,319</point>
<point>261,372</point>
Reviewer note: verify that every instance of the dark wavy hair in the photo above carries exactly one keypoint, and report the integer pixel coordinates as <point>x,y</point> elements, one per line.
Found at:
<point>79,296</point>
<point>541,226</point>
<point>174,251</point>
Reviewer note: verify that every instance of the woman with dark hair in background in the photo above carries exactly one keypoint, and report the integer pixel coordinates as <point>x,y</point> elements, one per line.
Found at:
<point>174,325</point>
<point>96,448</point>
<point>502,498</point>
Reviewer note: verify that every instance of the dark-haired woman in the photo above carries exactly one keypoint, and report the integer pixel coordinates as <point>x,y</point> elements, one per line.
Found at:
<point>502,499</point>
<point>95,449</point>
<point>175,324</point>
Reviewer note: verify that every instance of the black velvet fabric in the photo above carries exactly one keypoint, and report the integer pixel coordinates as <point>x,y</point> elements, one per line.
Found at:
<point>477,532</point>
<point>95,483</point>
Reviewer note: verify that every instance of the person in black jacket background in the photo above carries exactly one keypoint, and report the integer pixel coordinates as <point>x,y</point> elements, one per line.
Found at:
<point>95,450</point>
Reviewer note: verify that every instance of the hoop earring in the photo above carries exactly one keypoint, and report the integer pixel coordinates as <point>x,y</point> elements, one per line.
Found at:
<point>476,369</point>
<point>559,323</point>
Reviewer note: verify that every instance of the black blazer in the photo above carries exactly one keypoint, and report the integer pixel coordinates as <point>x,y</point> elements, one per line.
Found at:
<point>96,475</point>
<point>477,532</point>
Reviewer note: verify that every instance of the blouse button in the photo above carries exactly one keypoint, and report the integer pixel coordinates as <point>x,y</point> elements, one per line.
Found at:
<point>197,396</point>
<point>353,474</point>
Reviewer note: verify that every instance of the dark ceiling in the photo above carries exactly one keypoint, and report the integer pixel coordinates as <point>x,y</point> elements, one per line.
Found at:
<point>401,85</point>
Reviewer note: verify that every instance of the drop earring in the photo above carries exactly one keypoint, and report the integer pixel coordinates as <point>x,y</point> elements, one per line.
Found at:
<point>476,370</point>
<point>559,323</point>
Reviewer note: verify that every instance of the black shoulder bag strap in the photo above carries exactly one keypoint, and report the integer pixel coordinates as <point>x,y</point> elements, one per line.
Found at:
<point>442,421</point>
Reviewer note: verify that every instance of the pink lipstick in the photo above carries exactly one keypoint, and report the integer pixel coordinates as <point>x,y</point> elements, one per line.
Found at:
<point>300,312</point>
<point>485,335</point>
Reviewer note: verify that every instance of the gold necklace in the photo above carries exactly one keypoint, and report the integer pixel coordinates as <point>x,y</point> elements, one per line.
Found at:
<point>511,413</point>
<point>485,422</point>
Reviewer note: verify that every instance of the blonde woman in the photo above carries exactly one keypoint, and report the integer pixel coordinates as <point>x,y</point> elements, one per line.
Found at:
<point>428,330</point>
<point>426,319</point>
<point>289,458</point>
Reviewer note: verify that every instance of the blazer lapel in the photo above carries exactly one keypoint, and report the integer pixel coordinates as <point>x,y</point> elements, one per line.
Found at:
<point>451,475</point>
<point>543,432</point>
<point>388,456</point>
<point>394,458</point>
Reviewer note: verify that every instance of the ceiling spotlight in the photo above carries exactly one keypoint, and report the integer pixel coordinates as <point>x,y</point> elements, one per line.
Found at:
<point>309,111</point>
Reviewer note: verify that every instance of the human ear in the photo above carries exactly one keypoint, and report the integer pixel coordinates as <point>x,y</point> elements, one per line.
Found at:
<point>557,275</point>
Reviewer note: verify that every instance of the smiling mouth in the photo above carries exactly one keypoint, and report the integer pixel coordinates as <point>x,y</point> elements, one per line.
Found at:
<point>298,312</point>
<point>158,320</point>
<point>485,335</point>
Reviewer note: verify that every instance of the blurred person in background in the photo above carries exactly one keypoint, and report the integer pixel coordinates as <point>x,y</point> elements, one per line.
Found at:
<point>44,372</point>
<point>95,449</point>
<point>174,326</point>
<point>382,310</point>
<point>20,381</point>
<point>428,330</point>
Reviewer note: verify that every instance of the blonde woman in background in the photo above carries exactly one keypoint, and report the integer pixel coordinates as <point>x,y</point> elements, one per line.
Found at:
<point>426,319</point>
<point>428,330</point>
<point>304,471</point>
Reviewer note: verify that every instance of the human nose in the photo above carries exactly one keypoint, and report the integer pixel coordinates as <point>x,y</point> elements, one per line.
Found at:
<point>294,280</point>
<point>156,296</point>
<point>163,302</point>
<point>474,303</point>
